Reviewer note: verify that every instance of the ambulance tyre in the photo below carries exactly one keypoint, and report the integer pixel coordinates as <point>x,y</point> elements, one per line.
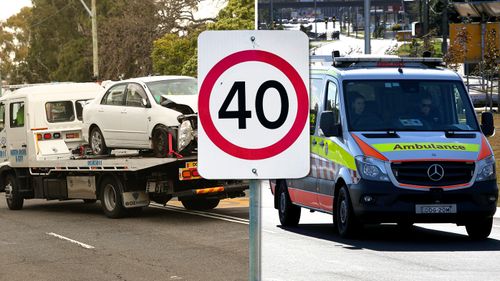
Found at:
<point>289,214</point>
<point>480,229</point>
<point>112,198</point>
<point>14,200</point>
<point>200,204</point>
<point>345,220</point>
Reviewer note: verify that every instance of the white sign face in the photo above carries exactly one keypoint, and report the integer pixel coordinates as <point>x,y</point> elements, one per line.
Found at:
<point>253,104</point>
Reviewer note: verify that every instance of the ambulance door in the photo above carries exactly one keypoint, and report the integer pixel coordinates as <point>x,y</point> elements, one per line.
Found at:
<point>327,149</point>
<point>3,134</point>
<point>304,191</point>
<point>17,140</point>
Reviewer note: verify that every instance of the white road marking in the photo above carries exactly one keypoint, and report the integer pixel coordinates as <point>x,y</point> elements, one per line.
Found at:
<point>201,213</point>
<point>70,240</point>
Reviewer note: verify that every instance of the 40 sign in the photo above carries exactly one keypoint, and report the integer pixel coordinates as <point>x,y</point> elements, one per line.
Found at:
<point>253,104</point>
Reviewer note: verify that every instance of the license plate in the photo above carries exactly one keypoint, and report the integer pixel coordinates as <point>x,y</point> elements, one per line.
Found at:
<point>436,209</point>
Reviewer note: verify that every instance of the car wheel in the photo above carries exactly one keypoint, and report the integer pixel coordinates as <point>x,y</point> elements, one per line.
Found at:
<point>289,214</point>
<point>97,142</point>
<point>480,229</point>
<point>160,141</point>
<point>200,204</point>
<point>344,216</point>
<point>112,198</point>
<point>14,200</point>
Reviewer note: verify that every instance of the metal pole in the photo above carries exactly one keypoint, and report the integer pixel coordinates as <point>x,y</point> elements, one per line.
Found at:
<point>444,45</point>
<point>315,23</point>
<point>255,225</point>
<point>367,27</point>
<point>95,51</point>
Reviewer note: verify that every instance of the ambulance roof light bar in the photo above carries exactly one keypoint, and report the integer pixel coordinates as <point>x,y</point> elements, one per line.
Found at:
<point>386,61</point>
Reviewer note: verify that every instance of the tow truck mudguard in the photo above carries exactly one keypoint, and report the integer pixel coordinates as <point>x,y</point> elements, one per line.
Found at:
<point>392,204</point>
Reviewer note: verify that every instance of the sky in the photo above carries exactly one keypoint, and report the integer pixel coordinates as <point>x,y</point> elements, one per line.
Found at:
<point>207,8</point>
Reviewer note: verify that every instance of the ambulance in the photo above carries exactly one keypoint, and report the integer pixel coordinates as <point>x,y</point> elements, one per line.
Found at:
<point>393,140</point>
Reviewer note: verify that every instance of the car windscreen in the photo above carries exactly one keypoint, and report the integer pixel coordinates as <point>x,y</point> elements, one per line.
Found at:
<point>408,105</point>
<point>172,87</point>
<point>59,111</point>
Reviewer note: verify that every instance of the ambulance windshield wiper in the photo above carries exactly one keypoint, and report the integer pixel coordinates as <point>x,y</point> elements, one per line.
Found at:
<point>458,135</point>
<point>390,133</point>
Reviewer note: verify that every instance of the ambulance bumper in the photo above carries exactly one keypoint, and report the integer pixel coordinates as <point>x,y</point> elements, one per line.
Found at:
<point>379,202</point>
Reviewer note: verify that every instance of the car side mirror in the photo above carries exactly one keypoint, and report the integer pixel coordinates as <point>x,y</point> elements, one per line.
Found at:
<point>328,126</point>
<point>487,124</point>
<point>145,103</point>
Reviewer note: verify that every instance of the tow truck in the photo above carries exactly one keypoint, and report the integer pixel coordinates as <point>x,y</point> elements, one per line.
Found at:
<point>43,155</point>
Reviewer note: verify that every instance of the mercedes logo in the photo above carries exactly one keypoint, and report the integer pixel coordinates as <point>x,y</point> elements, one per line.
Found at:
<point>435,172</point>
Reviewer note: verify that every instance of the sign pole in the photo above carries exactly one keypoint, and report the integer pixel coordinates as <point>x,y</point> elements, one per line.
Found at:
<point>255,226</point>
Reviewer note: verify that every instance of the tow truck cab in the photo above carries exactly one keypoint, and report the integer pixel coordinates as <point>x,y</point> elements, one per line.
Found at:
<point>394,140</point>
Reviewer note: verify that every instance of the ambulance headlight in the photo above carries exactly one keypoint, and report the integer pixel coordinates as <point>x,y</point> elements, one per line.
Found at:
<point>371,169</point>
<point>185,136</point>
<point>486,168</point>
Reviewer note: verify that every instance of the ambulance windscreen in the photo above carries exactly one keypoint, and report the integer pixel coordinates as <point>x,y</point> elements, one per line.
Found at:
<point>408,105</point>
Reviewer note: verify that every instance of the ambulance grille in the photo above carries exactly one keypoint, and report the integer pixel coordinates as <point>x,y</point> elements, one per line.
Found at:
<point>416,173</point>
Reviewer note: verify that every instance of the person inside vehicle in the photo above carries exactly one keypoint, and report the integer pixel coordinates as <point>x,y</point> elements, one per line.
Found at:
<point>359,117</point>
<point>20,116</point>
<point>427,111</point>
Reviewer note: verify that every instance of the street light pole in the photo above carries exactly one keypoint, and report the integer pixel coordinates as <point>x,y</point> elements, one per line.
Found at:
<point>367,27</point>
<point>95,54</point>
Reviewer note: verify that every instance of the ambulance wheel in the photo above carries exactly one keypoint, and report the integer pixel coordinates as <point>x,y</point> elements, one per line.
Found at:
<point>112,198</point>
<point>160,141</point>
<point>14,200</point>
<point>200,204</point>
<point>480,229</point>
<point>345,220</point>
<point>289,214</point>
<point>89,201</point>
<point>97,142</point>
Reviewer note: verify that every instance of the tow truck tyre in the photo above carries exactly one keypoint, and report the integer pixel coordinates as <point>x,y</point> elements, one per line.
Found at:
<point>160,140</point>
<point>344,216</point>
<point>200,204</point>
<point>480,229</point>
<point>289,214</point>
<point>97,143</point>
<point>112,198</point>
<point>14,200</point>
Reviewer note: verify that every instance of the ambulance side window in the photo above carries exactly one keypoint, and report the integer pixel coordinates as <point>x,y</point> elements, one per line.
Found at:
<point>314,102</point>
<point>2,116</point>
<point>332,100</point>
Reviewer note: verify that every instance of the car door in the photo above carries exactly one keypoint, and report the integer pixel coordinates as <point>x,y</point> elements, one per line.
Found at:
<point>327,147</point>
<point>135,119</point>
<point>17,141</point>
<point>108,115</point>
<point>3,134</point>
<point>304,191</point>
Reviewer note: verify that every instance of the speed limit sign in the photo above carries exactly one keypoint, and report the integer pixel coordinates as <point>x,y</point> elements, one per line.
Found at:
<point>253,104</point>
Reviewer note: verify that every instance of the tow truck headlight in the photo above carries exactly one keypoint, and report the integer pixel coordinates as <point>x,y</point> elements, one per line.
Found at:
<point>371,169</point>
<point>486,168</point>
<point>185,136</point>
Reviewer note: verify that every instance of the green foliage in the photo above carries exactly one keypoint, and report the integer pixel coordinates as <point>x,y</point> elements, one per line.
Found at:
<point>175,54</point>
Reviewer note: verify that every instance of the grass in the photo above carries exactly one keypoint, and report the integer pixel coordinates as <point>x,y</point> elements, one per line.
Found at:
<point>405,49</point>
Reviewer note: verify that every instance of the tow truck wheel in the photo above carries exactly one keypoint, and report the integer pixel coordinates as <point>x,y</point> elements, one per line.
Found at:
<point>112,198</point>
<point>97,143</point>
<point>289,214</point>
<point>200,204</point>
<point>479,230</point>
<point>160,141</point>
<point>344,216</point>
<point>14,200</point>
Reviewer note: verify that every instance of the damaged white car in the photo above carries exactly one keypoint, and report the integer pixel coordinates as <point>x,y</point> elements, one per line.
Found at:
<point>149,113</point>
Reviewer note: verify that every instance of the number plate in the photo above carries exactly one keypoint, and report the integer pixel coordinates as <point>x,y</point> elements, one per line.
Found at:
<point>436,209</point>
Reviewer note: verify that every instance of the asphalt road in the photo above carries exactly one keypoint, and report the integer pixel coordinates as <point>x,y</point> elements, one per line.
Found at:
<point>429,252</point>
<point>160,244</point>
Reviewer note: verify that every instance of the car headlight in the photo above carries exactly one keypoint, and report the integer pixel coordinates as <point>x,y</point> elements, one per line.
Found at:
<point>185,136</point>
<point>371,168</point>
<point>486,168</point>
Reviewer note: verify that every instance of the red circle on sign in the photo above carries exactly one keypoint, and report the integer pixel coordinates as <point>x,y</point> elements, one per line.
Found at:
<point>253,153</point>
